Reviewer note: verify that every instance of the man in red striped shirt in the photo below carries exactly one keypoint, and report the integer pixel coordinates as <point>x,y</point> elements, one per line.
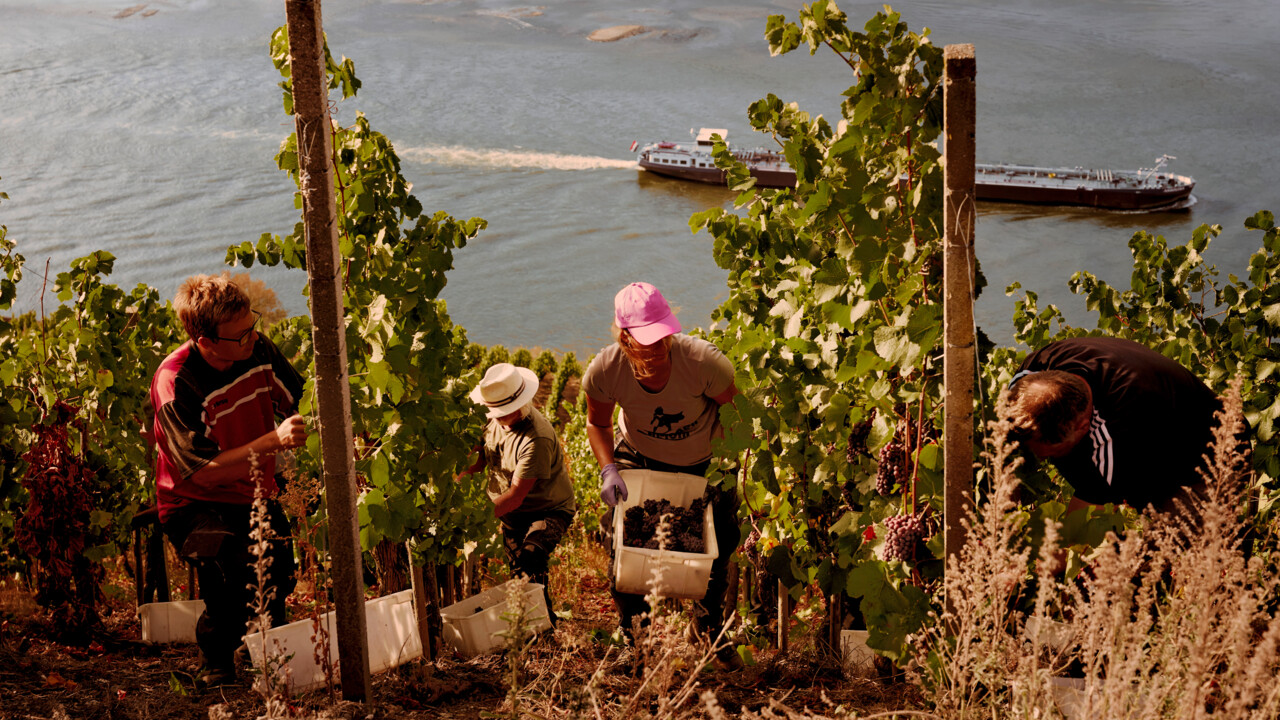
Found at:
<point>225,404</point>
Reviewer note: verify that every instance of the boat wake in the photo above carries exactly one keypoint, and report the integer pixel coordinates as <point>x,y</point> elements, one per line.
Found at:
<point>512,159</point>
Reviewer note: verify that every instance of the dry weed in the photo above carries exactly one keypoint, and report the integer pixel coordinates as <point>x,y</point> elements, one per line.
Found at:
<point>970,651</point>
<point>271,681</point>
<point>300,496</point>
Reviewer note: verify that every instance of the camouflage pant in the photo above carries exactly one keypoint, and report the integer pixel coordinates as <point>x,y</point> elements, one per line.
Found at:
<point>530,539</point>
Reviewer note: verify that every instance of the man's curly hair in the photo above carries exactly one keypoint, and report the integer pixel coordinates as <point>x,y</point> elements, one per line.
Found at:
<point>206,301</point>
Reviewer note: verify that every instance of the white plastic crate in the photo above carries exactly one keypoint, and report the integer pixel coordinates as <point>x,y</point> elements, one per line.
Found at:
<point>170,622</point>
<point>392,634</point>
<point>683,575</point>
<point>472,626</point>
<point>1057,636</point>
<point>859,660</point>
<point>1069,696</point>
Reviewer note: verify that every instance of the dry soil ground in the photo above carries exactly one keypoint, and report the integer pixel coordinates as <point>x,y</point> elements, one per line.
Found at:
<point>117,676</point>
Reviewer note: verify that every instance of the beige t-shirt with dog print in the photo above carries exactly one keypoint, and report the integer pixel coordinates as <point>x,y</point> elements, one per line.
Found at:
<point>673,425</point>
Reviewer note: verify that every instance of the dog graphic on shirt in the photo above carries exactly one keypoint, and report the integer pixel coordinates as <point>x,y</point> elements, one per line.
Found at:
<point>661,419</point>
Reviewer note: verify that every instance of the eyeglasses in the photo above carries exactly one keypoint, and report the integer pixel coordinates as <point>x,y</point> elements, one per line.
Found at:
<point>243,339</point>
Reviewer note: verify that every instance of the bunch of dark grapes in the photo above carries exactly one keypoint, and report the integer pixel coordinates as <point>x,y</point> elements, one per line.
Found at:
<point>687,542</point>
<point>858,440</point>
<point>914,435</point>
<point>640,525</point>
<point>849,493</point>
<point>748,547</point>
<point>932,267</point>
<point>633,523</point>
<point>893,467</point>
<point>902,534</point>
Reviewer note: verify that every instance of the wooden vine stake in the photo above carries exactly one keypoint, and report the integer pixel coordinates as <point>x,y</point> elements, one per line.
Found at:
<point>422,605</point>
<point>784,617</point>
<point>333,399</point>
<point>731,593</point>
<point>958,273</point>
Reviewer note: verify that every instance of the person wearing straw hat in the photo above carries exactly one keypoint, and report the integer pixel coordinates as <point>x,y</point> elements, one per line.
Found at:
<point>528,478</point>
<point>670,387</point>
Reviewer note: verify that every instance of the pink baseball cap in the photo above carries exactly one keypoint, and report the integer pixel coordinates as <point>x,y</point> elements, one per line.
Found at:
<point>642,311</point>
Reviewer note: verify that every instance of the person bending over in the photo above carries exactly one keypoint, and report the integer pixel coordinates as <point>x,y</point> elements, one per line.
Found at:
<point>1121,422</point>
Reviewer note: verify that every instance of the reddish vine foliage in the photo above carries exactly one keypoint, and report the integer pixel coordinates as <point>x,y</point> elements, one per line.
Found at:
<point>54,528</point>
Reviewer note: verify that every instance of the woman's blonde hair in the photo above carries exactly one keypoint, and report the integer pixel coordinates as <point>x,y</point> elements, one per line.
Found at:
<point>644,359</point>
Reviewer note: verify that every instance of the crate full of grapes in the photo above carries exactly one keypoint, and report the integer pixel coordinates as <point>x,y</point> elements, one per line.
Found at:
<point>680,564</point>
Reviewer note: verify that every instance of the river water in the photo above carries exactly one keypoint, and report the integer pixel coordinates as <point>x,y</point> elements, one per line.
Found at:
<point>148,130</point>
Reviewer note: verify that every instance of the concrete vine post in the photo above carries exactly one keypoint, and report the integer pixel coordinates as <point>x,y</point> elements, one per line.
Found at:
<point>333,399</point>
<point>959,272</point>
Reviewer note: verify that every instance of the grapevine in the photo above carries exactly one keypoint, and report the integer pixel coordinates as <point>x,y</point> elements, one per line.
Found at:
<point>522,358</point>
<point>473,355</point>
<point>569,368</point>
<point>545,364</point>
<point>406,357</point>
<point>497,354</point>
<point>831,318</point>
<point>55,530</point>
<point>98,346</point>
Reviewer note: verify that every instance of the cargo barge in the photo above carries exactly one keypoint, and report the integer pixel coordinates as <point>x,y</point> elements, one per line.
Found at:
<point>1148,189</point>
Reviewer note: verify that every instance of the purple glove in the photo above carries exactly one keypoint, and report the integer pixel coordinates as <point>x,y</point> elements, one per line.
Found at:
<point>612,488</point>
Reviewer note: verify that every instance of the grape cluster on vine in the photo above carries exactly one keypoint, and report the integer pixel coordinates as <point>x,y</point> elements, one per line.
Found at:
<point>932,267</point>
<point>913,434</point>
<point>858,440</point>
<point>748,548</point>
<point>892,469</point>
<point>55,529</point>
<point>902,534</point>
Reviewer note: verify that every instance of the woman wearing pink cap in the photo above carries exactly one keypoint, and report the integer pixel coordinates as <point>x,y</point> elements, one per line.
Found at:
<point>670,387</point>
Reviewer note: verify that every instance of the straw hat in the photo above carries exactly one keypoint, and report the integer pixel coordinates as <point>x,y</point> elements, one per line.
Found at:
<point>505,388</point>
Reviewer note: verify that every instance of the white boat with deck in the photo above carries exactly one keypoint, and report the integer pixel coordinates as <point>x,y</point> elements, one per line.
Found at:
<point>693,161</point>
